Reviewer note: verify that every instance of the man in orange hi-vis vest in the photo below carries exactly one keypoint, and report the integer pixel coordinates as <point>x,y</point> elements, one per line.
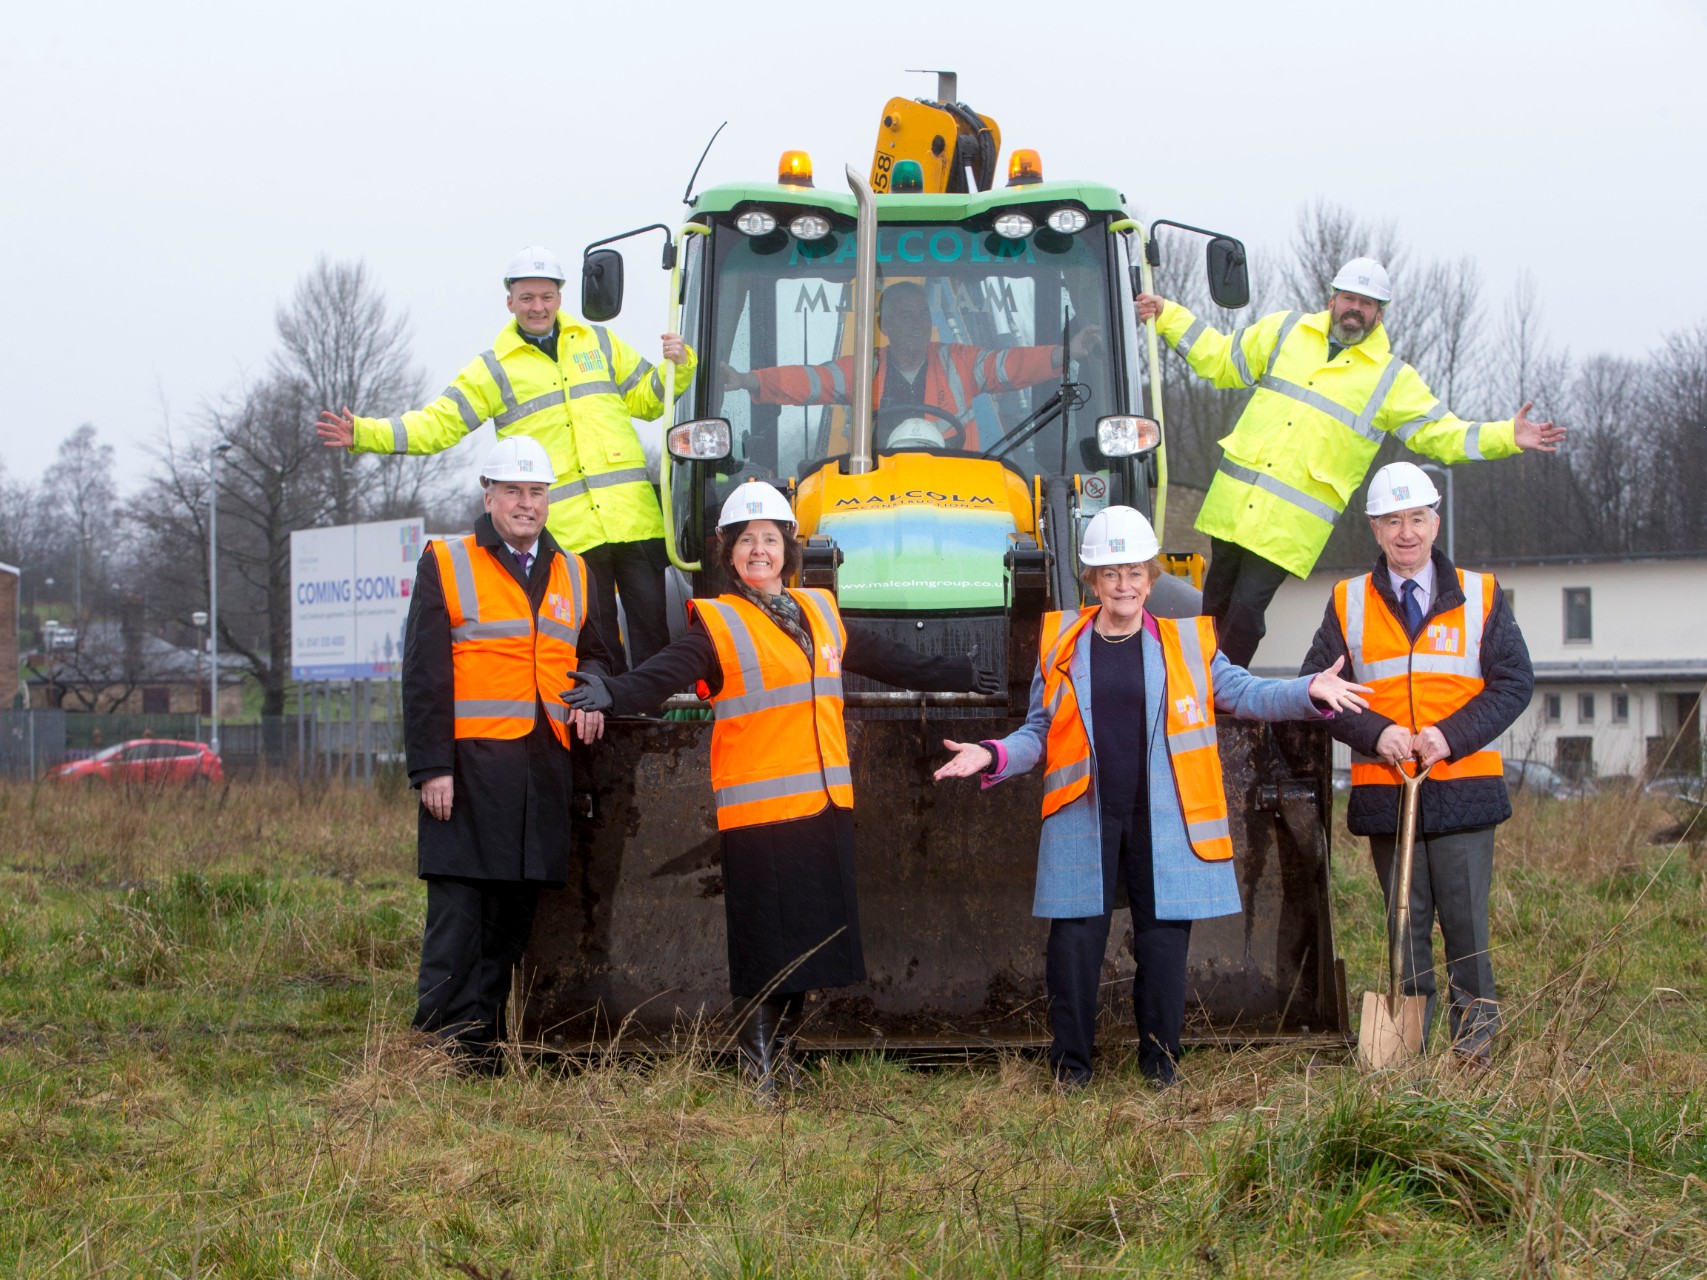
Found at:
<point>915,373</point>
<point>495,619</point>
<point>1450,672</point>
<point>1122,718</point>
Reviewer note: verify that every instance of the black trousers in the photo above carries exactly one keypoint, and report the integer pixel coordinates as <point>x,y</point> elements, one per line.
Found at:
<point>1236,593</point>
<point>1074,964</point>
<point>1452,876</point>
<point>475,934</point>
<point>636,569</point>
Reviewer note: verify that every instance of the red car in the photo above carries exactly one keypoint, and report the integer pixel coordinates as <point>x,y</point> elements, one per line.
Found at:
<point>145,761</point>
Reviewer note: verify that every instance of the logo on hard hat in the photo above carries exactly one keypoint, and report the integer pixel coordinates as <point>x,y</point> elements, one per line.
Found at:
<point>1117,544</point>
<point>754,506</point>
<point>1401,491</point>
<point>524,464</point>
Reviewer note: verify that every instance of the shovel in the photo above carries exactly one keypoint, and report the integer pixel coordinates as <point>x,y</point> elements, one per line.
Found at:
<point>1392,1025</point>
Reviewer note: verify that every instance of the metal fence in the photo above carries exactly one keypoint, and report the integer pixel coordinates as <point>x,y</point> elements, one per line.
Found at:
<point>346,733</point>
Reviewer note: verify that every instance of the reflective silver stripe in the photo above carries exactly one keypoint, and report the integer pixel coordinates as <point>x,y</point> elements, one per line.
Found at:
<point>838,383</point>
<point>657,381</point>
<point>634,376</point>
<point>1356,593</point>
<point>795,784</point>
<point>508,629</point>
<point>1214,829</point>
<point>1473,441</point>
<point>1320,403</point>
<point>1365,425</point>
<point>1191,739</point>
<point>556,711</point>
<point>787,695</point>
<point>1189,338</point>
<point>605,479</point>
<point>1474,621</point>
<point>1239,362</point>
<point>399,435</point>
<point>577,606</point>
<point>505,391</point>
<point>559,630</point>
<point>1286,327</point>
<point>1066,774</point>
<point>746,653</point>
<point>1446,664</point>
<point>1434,413</point>
<point>600,387</point>
<point>464,406</point>
<point>603,335</point>
<point>521,411</point>
<point>570,489</point>
<point>463,567</point>
<point>1280,489</point>
<point>1002,366</point>
<point>814,385</point>
<point>1386,669</point>
<point>494,708</point>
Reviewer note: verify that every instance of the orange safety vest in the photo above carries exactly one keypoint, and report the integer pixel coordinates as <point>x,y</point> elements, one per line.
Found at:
<point>1420,684</point>
<point>956,374</point>
<point>779,749</point>
<point>504,659</point>
<point>1188,653</point>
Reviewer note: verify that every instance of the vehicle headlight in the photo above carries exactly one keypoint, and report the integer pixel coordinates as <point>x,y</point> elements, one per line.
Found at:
<point>756,222</point>
<point>810,226</point>
<point>1121,435</point>
<point>702,440</point>
<point>1014,226</point>
<point>1068,220</point>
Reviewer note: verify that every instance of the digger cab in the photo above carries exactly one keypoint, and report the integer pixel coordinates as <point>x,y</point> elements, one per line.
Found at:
<point>1006,400</point>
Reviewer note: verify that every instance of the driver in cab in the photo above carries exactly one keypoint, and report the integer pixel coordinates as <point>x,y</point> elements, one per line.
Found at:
<point>914,372</point>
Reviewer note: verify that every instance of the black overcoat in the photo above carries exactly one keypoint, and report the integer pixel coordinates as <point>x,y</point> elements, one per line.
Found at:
<point>510,813</point>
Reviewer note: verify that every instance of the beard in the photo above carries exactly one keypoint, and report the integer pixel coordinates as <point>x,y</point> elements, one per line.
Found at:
<point>1347,337</point>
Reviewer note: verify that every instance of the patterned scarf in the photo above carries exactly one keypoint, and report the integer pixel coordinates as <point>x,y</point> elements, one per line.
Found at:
<point>781,609</point>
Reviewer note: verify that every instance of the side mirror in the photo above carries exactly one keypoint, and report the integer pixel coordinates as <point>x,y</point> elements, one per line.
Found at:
<point>601,284</point>
<point>1229,282</point>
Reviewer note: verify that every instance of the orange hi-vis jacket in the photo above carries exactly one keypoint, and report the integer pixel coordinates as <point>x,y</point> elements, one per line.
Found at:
<point>956,374</point>
<point>1188,652</point>
<point>779,749</point>
<point>1417,684</point>
<point>504,659</point>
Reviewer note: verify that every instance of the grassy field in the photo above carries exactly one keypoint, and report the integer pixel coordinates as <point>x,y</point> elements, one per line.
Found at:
<point>207,1072</point>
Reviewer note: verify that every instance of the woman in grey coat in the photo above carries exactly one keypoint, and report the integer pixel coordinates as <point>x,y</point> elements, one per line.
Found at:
<point>1123,715</point>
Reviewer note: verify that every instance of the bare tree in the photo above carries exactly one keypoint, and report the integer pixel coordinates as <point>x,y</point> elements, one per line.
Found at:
<point>341,346</point>
<point>1675,406</point>
<point>1440,327</point>
<point>1326,238</point>
<point>83,534</point>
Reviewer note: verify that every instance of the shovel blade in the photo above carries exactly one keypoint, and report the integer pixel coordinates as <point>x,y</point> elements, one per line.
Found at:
<point>1384,1040</point>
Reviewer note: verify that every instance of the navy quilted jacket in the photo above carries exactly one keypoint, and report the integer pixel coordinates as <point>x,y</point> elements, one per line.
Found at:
<point>1508,679</point>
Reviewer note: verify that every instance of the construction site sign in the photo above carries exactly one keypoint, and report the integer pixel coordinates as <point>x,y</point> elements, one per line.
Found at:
<point>349,599</point>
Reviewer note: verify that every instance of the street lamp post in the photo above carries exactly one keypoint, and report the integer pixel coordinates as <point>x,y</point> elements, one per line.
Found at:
<point>48,628</point>
<point>1445,473</point>
<point>219,451</point>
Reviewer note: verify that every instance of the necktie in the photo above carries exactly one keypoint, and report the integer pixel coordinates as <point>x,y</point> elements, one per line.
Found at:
<point>1413,609</point>
<point>524,559</point>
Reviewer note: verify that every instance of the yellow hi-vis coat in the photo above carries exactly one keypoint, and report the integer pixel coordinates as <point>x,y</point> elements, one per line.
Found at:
<point>1306,439</point>
<point>579,408</point>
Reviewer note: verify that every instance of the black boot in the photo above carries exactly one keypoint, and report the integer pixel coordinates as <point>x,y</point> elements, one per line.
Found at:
<point>782,1055</point>
<point>757,1040</point>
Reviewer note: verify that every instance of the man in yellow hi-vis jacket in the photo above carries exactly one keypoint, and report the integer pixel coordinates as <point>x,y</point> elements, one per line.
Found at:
<point>574,387</point>
<point>1328,390</point>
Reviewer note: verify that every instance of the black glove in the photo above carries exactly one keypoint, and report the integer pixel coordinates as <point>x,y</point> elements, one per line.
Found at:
<point>985,682</point>
<point>589,693</point>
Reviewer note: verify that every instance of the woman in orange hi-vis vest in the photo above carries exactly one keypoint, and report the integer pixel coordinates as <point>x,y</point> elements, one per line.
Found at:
<point>1123,718</point>
<point>770,660</point>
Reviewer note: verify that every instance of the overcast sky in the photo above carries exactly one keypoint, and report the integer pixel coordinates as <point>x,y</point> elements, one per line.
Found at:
<point>167,172</point>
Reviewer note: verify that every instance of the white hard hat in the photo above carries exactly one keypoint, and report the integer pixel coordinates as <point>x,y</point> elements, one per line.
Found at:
<point>535,262</point>
<point>916,431</point>
<point>1365,276</point>
<point>1118,535</point>
<point>755,500</point>
<point>520,458</point>
<point>1399,486</point>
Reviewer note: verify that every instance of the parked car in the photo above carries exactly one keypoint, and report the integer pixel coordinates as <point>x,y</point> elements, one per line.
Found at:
<point>1539,779</point>
<point>145,761</point>
<point>1677,786</point>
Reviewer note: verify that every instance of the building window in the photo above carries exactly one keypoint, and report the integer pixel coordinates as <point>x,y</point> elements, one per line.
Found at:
<point>1574,757</point>
<point>1585,708</point>
<point>1579,624</point>
<point>1552,710</point>
<point>1620,708</point>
